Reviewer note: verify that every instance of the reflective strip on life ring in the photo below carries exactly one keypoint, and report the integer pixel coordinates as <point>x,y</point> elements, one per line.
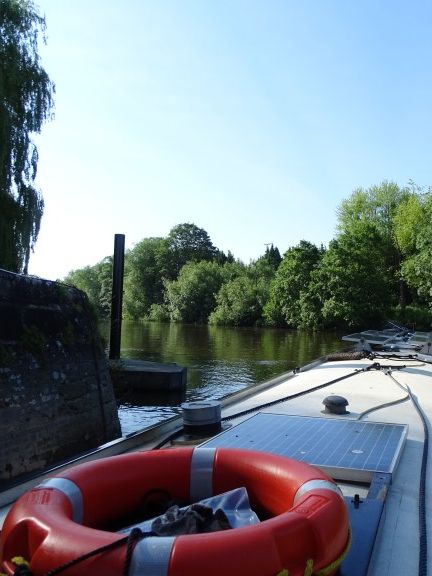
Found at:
<point>71,490</point>
<point>201,480</point>
<point>151,556</point>
<point>64,517</point>
<point>312,485</point>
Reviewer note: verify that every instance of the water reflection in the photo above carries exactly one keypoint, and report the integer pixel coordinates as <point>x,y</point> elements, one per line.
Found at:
<point>219,360</point>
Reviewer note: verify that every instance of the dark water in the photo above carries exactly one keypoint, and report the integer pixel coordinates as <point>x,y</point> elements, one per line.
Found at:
<point>219,361</point>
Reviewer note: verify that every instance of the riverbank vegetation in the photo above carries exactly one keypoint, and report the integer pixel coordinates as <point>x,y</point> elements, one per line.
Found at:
<point>378,266</point>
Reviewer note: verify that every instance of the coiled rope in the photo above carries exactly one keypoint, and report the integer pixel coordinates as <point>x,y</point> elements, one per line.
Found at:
<point>23,569</point>
<point>374,366</point>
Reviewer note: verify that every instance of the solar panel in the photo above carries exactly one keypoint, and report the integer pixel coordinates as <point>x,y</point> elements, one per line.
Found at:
<point>345,449</point>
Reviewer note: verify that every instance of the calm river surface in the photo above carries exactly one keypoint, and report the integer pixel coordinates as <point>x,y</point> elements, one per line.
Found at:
<point>219,361</point>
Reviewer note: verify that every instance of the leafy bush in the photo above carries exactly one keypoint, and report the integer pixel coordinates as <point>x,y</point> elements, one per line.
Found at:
<point>240,301</point>
<point>159,313</point>
<point>412,317</point>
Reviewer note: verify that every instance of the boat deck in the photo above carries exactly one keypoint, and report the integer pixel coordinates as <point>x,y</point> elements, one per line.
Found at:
<point>384,390</point>
<point>370,393</point>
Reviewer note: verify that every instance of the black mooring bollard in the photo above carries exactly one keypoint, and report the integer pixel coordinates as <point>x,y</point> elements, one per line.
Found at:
<point>117,296</point>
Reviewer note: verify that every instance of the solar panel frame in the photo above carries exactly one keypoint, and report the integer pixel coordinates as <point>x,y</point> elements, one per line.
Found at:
<point>346,449</point>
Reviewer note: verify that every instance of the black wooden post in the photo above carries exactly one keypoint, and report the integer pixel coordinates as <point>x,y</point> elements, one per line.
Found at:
<point>117,296</point>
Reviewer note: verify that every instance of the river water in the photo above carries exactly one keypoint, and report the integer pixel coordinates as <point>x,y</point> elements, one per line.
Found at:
<point>219,361</point>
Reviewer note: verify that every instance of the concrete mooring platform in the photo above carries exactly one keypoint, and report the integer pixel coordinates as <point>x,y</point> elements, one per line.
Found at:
<point>143,376</point>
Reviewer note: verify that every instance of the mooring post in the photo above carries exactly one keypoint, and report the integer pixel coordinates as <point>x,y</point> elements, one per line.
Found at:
<point>117,296</point>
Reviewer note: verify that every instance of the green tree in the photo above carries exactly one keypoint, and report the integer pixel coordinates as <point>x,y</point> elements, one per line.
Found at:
<point>175,304</point>
<point>351,287</point>
<point>291,281</point>
<point>413,224</point>
<point>145,269</point>
<point>272,256</point>
<point>96,282</point>
<point>192,296</point>
<point>240,301</point>
<point>244,293</point>
<point>26,101</point>
<point>228,258</point>
<point>410,218</point>
<point>188,243</point>
<point>378,206</point>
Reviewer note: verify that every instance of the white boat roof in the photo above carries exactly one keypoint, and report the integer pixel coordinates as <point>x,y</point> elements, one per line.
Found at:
<point>397,545</point>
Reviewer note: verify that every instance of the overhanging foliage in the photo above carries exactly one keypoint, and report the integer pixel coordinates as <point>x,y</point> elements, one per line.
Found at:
<point>26,101</point>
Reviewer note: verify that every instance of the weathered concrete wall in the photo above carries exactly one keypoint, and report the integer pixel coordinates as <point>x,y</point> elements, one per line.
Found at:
<point>56,396</point>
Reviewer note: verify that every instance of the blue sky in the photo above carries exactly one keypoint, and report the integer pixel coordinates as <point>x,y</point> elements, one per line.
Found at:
<point>251,119</point>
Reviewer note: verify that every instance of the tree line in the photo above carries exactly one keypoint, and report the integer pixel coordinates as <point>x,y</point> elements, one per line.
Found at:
<point>378,266</point>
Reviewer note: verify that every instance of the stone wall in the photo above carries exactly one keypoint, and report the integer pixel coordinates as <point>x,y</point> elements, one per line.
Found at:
<point>56,396</point>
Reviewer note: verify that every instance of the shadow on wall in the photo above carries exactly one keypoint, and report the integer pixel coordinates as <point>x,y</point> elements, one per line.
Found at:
<point>56,395</point>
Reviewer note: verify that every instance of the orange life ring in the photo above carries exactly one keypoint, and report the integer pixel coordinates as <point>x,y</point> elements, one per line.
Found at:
<point>70,514</point>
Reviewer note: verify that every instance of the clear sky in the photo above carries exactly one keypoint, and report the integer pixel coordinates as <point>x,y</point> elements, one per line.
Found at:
<point>251,119</point>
